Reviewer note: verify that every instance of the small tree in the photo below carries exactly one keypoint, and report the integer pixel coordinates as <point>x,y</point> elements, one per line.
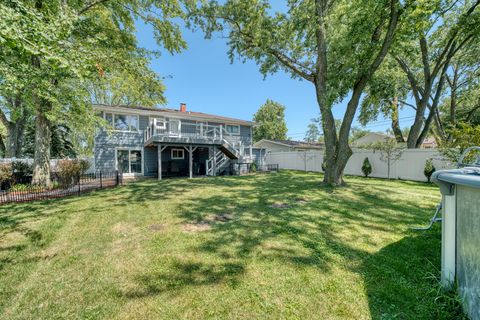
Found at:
<point>270,119</point>
<point>429,169</point>
<point>366,167</point>
<point>389,152</point>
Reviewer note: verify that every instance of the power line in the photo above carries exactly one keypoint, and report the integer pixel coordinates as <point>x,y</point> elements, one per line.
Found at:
<point>371,125</point>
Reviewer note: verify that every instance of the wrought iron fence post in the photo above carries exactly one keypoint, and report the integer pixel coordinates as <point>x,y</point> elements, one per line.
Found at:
<point>79,184</point>
<point>117,178</point>
<point>101,184</point>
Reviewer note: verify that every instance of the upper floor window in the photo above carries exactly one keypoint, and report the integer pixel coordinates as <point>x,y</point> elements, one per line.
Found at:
<point>122,122</point>
<point>233,129</point>
<point>160,122</point>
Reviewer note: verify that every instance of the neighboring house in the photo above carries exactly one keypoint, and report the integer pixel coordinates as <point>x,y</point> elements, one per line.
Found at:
<point>287,145</point>
<point>429,143</point>
<point>371,137</point>
<point>155,142</point>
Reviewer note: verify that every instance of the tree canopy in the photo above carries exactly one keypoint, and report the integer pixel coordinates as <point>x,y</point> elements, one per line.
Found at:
<point>270,122</point>
<point>335,45</point>
<point>52,52</point>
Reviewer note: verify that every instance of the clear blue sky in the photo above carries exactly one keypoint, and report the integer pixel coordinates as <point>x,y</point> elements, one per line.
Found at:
<point>203,77</point>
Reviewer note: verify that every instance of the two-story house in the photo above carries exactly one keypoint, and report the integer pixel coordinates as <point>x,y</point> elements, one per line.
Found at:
<point>156,142</point>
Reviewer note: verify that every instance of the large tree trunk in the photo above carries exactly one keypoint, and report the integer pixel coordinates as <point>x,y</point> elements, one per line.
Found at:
<point>41,161</point>
<point>337,149</point>
<point>397,131</point>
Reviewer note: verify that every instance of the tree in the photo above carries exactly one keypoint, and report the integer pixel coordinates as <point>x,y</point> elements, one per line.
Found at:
<point>270,119</point>
<point>313,133</point>
<point>389,152</point>
<point>429,169</point>
<point>313,41</point>
<point>420,66</point>
<point>447,29</point>
<point>366,167</point>
<point>48,49</point>
<point>463,136</point>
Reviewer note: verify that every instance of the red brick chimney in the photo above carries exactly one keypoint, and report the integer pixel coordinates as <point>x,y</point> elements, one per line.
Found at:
<point>183,107</point>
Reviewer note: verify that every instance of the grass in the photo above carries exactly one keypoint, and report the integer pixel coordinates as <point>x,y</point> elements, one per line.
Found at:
<point>267,246</point>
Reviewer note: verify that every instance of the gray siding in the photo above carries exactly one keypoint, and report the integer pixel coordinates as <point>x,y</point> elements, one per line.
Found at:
<point>143,122</point>
<point>106,143</point>
<point>150,168</point>
<point>258,156</point>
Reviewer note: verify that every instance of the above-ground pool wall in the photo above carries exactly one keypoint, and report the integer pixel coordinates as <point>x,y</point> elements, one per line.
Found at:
<point>468,248</point>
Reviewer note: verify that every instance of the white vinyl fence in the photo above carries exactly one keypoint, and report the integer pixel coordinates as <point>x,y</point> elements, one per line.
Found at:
<point>53,162</point>
<point>409,167</point>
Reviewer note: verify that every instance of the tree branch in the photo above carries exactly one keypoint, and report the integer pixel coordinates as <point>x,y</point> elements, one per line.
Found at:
<point>90,6</point>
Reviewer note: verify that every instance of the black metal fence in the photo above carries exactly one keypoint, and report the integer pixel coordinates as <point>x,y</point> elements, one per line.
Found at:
<point>60,187</point>
<point>245,168</point>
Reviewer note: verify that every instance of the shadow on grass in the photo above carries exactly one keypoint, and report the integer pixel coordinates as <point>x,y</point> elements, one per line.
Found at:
<point>320,226</point>
<point>398,278</point>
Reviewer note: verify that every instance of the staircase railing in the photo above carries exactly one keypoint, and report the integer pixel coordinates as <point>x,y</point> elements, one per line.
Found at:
<point>218,161</point>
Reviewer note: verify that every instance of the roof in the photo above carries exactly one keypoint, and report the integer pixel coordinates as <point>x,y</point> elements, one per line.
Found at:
<point>173,112</point>
<point>294,144</point>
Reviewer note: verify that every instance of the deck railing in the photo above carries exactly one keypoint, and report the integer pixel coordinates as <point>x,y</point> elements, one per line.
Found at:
<point>177,129</point>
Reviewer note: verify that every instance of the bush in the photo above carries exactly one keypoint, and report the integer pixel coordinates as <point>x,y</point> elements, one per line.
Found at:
<point>324,165</point>
<point>21,171</point>
<point>253,167</point>
<point>366,167</point>
<point>6,173</point>
<point>429,169</point>
<point>69,171</point>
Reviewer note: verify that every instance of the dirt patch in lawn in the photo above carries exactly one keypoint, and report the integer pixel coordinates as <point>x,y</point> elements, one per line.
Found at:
<point>280,205</point>
<point>222,217</point>
<point>196,227</point>
<point>156,227</point>
<point>300,200</point>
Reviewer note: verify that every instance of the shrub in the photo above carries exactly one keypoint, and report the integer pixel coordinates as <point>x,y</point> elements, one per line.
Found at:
<point>69,171</point>
<point>366,167</point>
<point>429,169</point>
<point>6,173</point>
<point>324,165</point>
<point>21,170</point>
<point>253,167</point>
<point>26,188</point>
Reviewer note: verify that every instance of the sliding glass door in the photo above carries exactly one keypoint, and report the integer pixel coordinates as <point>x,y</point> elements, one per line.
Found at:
<point>129,161</point>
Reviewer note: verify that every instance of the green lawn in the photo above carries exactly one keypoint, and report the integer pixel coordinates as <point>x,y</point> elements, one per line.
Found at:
<point>275,246</point>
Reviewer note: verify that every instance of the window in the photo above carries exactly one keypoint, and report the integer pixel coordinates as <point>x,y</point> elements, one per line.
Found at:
<point>129,161</point>
<point>160,122</point>
<point>122,122</point>
<point>233,129</point>
<point>178,154</point>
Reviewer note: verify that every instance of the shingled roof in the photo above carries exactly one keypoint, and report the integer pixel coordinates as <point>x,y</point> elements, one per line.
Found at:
<point>297,144</point>
<point>177,112</point>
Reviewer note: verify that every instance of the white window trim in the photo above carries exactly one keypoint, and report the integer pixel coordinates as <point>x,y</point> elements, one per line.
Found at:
<point>129,166</point>
<point>177,158</point>
<point>112,124</point>
<point>150,119</point>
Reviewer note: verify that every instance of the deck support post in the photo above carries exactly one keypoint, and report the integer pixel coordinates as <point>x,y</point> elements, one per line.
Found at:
<point>190,151</point>
<point>160,149</point>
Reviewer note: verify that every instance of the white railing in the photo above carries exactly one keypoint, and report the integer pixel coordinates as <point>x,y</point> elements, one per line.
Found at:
<point>216,134</point>
<point>182,129</point>
<point>217,162</point>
